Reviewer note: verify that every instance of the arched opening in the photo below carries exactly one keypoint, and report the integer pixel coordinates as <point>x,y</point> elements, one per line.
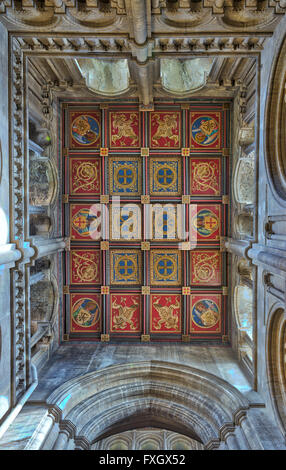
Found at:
<point>156,394</point>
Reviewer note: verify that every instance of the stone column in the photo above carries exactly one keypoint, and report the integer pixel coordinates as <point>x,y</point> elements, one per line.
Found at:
<point>232,442</point>
<point>139,21</point>
<point>62,440</point>
<point>48,246</point>
<point>67,431</point>
<point>42,434</point>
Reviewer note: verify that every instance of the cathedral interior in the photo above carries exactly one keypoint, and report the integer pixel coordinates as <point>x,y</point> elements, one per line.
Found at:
<point>143,234</point>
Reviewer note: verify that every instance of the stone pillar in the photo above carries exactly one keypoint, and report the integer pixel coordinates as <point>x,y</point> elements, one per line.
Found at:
<point>62,440</point>
<point>243,444</point>
<point>42,434</point>
<point>250,435</point>
<point>67,431</point>
<point>139,20</point>
<point>232,442</point>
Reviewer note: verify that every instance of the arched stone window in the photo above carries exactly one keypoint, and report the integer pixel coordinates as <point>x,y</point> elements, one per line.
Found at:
<point>149,443</point>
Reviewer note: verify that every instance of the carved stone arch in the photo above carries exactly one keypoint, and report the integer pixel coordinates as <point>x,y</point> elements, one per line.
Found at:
<point>174,397</point>
<point>276,363</point>
<point>237,16</point>
<point>275,123</point>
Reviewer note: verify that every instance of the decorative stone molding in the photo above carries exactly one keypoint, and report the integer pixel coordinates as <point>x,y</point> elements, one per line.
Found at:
<point>131,389</point>
<point>81,443</point>
<point>18,228</point>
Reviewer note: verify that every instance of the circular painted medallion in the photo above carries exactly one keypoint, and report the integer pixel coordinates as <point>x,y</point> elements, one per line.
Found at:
<point>85,312</point>
<point>165,267</point>
<point>85,130</point>
<point>165,176</point>
<point>205,222</point>
<point>205,130</point>
<point>205,313</point>
<point>125,267</point>
<point>125,176</point>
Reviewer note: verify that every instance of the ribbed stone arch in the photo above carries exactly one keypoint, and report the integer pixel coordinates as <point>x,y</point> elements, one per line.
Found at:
<point>175,397</point>
<point>160,413</point>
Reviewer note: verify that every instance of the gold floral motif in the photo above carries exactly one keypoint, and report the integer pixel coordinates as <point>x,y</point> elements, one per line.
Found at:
<point>85,177</point>
<point>205,267</point>
<point>85,268</point>
<point>167,314</point>
<point>125,314</point>
<point>205,177</point>
<point>167,125</point>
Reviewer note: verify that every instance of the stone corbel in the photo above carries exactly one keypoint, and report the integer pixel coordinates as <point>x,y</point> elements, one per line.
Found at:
<point>246,136</point>
<point>81,443</point>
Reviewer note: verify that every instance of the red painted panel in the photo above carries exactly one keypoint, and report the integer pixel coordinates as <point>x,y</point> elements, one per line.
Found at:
<point>205,313</point>
<point>125,313</point>
<point>165,313</point>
